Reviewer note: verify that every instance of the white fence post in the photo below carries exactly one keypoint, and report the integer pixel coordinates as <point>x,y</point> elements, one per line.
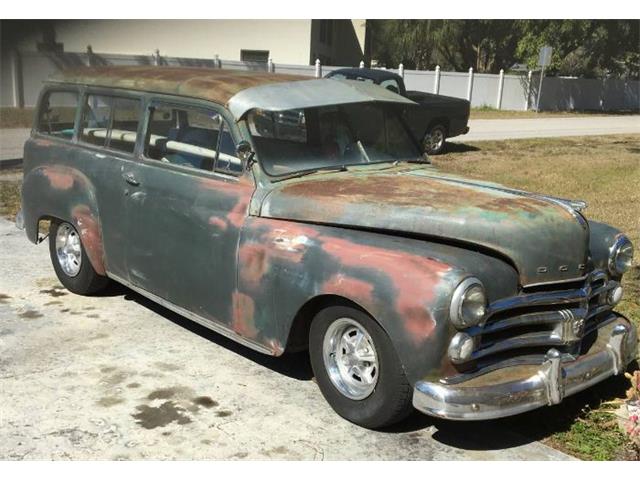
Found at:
<point>401,70</point>
<point>270,68</point>
<point>361,63</point>
<point>470,86</point>
<point>16,79</point>
<point>318,68</point>
<point>436,81</point>
<point>216,61</point>
<point>500,86</point>
<point>528,91</point>
<point>156,57</point>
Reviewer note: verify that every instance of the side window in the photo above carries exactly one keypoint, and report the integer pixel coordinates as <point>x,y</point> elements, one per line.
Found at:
<point>124,126</point>
<point>57,114</point>
<point>191,137</point>
<point>96,116</point>
<point>110,122</point>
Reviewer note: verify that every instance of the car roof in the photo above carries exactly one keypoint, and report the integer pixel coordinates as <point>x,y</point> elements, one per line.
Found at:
<point>216,85</point>
<point>374,74</point>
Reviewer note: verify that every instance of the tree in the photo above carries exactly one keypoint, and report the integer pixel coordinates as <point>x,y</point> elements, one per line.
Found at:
<point>588,48</point>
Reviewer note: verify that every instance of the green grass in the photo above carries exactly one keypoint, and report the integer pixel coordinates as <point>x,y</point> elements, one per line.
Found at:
<point>9,198</point>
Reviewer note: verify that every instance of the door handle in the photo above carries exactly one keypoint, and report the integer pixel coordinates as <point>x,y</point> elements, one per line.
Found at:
<point>130,179</point>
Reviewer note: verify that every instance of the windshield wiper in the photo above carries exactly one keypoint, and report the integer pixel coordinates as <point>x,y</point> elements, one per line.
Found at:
<point>302,173</point>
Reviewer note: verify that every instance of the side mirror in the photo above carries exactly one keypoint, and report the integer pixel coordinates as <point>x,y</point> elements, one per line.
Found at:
<point>245,153</point>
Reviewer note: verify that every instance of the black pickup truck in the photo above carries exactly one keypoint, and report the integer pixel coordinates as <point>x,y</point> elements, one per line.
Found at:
<point>439,117</point>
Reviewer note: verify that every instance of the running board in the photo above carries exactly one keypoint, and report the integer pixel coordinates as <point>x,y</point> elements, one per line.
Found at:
<point>211,325</point>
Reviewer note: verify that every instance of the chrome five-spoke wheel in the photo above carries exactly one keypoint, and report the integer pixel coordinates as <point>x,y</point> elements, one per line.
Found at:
<point>350,358</point>
<point>68,249</point>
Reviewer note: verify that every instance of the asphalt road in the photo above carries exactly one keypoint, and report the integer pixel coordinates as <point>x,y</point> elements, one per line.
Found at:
<point>119,377</point>
<point>549,127</point>
<point>12,142</point>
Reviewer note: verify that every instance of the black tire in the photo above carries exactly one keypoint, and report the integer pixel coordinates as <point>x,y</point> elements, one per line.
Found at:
<point>433,147</point>
<point>390,401</point>
<point>86,281</point>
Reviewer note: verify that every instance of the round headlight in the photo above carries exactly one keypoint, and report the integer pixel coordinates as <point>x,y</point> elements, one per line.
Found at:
<point>621,256</point>
<point>468,304</point>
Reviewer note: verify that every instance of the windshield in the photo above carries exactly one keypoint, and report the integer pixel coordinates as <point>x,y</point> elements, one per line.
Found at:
<point>330,137</point>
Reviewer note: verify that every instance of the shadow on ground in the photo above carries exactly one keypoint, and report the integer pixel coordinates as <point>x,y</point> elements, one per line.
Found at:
<point>474,435</point>
<point>460,148</point>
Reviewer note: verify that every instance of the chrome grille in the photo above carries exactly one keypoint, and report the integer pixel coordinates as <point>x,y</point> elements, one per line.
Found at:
<point>532,322</point>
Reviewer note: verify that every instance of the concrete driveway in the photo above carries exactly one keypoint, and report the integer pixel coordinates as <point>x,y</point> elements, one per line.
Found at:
<point>549,127</point>
<point>119,377</point>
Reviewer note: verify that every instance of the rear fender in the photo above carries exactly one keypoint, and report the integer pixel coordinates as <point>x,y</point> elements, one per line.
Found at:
<point>64,193</point>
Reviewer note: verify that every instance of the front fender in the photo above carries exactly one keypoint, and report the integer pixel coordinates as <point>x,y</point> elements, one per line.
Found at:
<point>405,284</point>
<point>65,193</point>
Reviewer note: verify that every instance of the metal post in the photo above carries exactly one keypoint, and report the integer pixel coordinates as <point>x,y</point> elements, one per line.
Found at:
<point>526,101</point>
<point>156,57</point>
<point>89,56</point>
<point>318,68</point>
<point>16,79</point>
<point>401,70</point>
<point>270,68</point>
<point>361,63</point>
<point>436,81</point>
<point>500,87</point>
<point>216,61</point>
<point>470,87</point>
<point>540,89</point>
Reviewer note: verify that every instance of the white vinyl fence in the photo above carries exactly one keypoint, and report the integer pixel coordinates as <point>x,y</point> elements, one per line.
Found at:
<point>22,75</point>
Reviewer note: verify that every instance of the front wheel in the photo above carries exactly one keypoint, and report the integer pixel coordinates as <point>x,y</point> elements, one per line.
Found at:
<point>434,140</point>
<point>70,260</point>
<point>357,368</point>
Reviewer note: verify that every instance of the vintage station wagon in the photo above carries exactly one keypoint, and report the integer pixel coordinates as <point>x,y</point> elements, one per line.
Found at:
<point>295,214</point>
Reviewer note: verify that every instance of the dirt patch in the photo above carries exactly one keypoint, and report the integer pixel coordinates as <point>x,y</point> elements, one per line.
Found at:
<point>154,417</point>
<point>30,314</point>
<point>109,401</point>
<point>206,402</point>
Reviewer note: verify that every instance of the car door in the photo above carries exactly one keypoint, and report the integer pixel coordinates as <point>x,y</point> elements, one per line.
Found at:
<point>108,132</point>
<point>188,203</point>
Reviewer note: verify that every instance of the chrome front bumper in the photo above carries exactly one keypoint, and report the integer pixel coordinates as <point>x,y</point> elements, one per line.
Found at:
<point>517,389</point>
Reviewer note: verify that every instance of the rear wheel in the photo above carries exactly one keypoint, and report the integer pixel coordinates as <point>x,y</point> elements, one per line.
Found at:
<point>435,139</point>
<point>70,260</point>
<point>357,368</point>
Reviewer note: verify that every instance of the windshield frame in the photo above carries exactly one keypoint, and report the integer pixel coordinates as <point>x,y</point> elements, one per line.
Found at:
<point>341,167</point>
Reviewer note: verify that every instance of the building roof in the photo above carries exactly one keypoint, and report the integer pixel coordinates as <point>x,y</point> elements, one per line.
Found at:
<point>216,85</point>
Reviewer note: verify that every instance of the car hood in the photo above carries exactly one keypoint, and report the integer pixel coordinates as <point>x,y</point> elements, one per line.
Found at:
<point>543,237</point>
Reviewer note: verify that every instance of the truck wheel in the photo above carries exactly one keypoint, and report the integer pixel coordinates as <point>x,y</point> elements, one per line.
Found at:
<point>435,139</point>
<point>70,260</point>
<point>357,368</point>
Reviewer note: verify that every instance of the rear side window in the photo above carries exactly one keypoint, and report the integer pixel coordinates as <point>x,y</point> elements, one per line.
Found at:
<point>57,114</point>
<point>191,137</point>
<point>110,122</point>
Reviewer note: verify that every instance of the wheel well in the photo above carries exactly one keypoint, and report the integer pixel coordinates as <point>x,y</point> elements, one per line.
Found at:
<point>438,121</point>
<point>298,339</point>
<point>44,223</point>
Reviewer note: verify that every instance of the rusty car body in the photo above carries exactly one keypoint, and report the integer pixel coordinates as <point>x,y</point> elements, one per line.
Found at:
<point>491,301</point>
